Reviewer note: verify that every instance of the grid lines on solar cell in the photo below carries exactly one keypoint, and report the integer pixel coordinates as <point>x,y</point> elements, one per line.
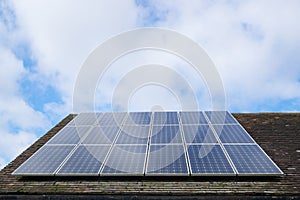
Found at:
<point>134,135</point>
<point>138,118</point>
<point>166,134</point>
<point>85,159</point>
<point>198,134</point>
<point>220,117</point>
<point>125,159</point>
<point>101,135</point>
<point>208,159</point>
<point>192,118</point>
<point>46,160</point>
<point>111,119</point>
<point>70,135</point>
<point>84,119</point>
<point>161,118</point>
<point>167,160</point>
<point>232,134</point>
<point>250,159</point>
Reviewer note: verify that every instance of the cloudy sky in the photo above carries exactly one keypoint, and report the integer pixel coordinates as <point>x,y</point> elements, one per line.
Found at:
<point>255,46</point>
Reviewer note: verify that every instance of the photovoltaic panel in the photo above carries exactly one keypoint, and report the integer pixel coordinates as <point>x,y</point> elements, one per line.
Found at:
<point>162,118</point>
<point>208,160</point>
<point>138,118</point>
<point>213,143</point>
<point>193,118</point>
<point>86,160</point>
<point>70,135</point>
<point>232,134</point>
<point>250,159</point>
<point>111,119</point>
<point>167,160</point>
<point>220,117</point>
<point>45,161</point>
<point>84,119</point>
<point>101,135</point>
<point>198,134</point>
<point>165,134</point>
<point>134,135</point>
<point>125,160</point>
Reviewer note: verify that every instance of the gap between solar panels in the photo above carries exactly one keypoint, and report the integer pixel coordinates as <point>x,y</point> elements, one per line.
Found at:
<point>199,143</point>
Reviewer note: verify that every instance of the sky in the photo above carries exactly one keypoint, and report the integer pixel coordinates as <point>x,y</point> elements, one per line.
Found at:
<point>255,46</point>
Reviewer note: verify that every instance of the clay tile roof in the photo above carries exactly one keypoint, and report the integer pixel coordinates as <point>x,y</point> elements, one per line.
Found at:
<point>277,133</point>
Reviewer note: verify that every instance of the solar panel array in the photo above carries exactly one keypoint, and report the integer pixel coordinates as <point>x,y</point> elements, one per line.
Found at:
<point>207,143</point>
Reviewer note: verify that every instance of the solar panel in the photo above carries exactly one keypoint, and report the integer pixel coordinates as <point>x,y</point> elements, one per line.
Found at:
<point>84,119</point>
<point>232,134</point>
<point>45,161</point>
<point>70,135</point>
<point>193,118</point>
<point>167,160</point>
<point>220,117</point>
<point>86,160</point>
<point>125,159</point>
<point>110,119</point>
<point>101,135</point>
<point>251,159</point>
<point>198,134</point>
<point>162,118</point>
<point>145,143</point>
<point>165,134</point>
<point>134,135</point>
<point>208,160</point>
<point>138,118</point>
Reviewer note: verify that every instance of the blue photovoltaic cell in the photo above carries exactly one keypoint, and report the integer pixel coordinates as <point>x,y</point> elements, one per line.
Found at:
<point>111,119</point>
<point>85,160</point>
<point>192,118</point>
<point>250,159</point>
<point>198,134</point>
<point>70,135</point>
<point>134,135</point>
<point>165,118</point>
<point>84,119</point>
<point>165,134</point>
<point>208,159</point>
<point>232,134</point>
<point>166,160</point>
<point>126,159</point>
<point>138,118</point>
<point>101,135</point>
<point>45,161</point>
<point>220,117</point>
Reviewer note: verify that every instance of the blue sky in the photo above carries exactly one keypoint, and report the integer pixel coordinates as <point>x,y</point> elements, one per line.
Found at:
<point>255,46</point>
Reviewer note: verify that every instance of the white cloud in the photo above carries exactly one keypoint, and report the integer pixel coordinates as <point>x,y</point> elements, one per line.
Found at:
<point>12,144</point>
<point>64,33</point>
<point>13,108</point>
<point>16,116</point>
<point>174,82</point>
<point>10,71</point>
<point>251,42</point>
<point>2,165</point>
